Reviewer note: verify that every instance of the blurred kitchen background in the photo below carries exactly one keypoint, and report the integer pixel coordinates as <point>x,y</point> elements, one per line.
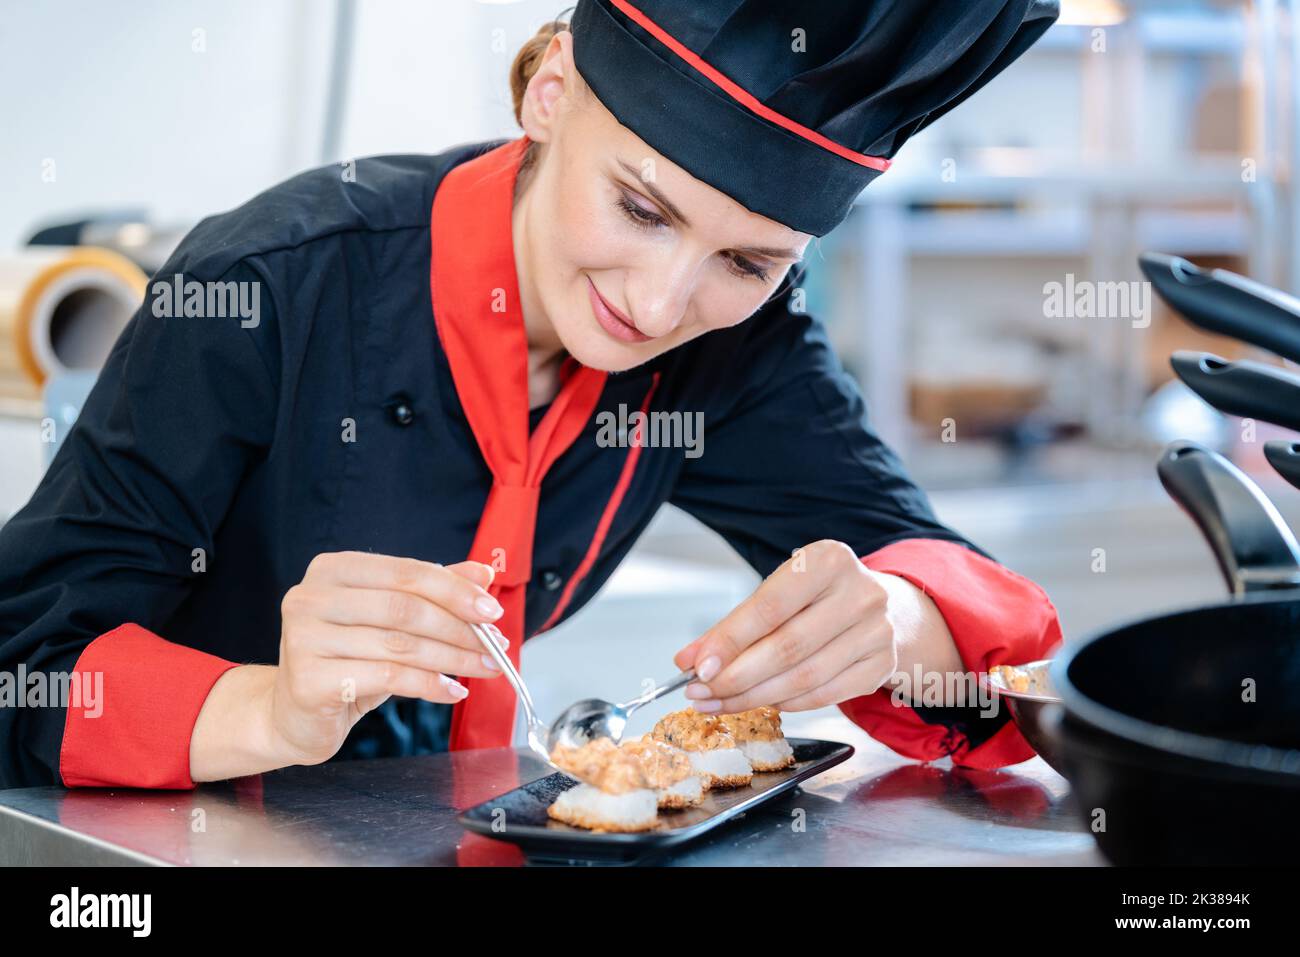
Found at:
<point>1168,125</point>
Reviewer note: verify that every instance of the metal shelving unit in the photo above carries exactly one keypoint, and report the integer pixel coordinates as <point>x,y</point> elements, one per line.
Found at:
<point>1099,208</point>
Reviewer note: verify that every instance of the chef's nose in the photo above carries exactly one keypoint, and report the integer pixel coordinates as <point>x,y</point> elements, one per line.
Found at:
<point>666,288</point>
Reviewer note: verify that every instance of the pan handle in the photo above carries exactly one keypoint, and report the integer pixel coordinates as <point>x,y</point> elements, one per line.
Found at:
<point>1226,303</point>
<point>1250,389</point>
<point>1254,547</point>
<point>1285,459</point>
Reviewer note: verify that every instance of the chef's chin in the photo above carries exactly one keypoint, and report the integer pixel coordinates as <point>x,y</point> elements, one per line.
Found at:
<point>596,349</point>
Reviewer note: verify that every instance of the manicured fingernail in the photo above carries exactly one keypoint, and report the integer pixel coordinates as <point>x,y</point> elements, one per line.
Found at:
<point>712,704</point>
<point>488,607</point>
<point>490,662</point>
<point>708,667</point>
<point>455,688</point>
<point>502,642</point>
<point>698,691</point>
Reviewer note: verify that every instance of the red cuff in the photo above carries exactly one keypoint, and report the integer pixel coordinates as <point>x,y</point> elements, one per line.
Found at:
<point>995,616</point>
<point>132,709</point>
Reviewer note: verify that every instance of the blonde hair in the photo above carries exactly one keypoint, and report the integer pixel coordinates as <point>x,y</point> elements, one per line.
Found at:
<point>528,59</point>
<point>525,64</point>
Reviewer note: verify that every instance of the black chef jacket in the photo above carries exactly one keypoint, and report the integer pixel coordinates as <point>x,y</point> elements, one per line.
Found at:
<point>218,435</point>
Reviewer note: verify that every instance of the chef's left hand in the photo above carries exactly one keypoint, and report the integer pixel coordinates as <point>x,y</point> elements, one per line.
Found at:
<point>821,629</point>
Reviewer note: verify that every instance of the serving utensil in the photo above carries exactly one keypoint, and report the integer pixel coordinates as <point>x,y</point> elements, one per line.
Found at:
<point>585,721</point>
<point>593,718</point>
<point>1027,708</point>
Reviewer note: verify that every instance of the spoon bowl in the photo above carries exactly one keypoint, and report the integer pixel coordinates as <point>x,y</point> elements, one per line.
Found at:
<point>579,723</point>
<point>586,721</point>
<point>593,718</point>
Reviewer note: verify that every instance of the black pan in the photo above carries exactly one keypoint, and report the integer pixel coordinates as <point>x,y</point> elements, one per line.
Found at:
<point>1181,733</point>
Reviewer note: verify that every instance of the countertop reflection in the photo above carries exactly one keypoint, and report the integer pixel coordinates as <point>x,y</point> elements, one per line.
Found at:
<point>875,809</point>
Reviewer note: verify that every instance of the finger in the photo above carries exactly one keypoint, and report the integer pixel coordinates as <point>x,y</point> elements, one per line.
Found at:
<point>435,583</point>
<point>786,648</point>
<point>839,654</point>
<point>416,651</point>
<point>393,610</point>
<point>480,574</point>
<point>863,677</point>
<point>344,680</point>
<point>685,658</point>
<point>782,594</point>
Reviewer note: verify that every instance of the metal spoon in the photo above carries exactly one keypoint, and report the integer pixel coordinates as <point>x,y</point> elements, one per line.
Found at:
<point>538,733</point>
<point>593,718</point>
<point>579,723</point>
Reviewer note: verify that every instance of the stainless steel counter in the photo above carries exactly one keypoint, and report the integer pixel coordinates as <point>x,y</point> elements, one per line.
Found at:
<point>876,808</point>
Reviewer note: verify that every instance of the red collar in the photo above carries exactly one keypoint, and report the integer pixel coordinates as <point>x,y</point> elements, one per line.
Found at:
<point>477,311</point>
<point>479,320</point>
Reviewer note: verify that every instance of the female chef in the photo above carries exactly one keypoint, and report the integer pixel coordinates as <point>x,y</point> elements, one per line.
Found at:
<point>263,541</point>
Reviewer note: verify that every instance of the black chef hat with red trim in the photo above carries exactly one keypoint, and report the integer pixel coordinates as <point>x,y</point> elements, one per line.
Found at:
<point>792,108</point>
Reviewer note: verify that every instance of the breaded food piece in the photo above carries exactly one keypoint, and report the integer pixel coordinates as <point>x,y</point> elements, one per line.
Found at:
<point>669,770</point>
<point>758,734</point>
<point>604,765</point>
<point>1024,679</point>
<point>687,792</point>
<point>614,794</point>
<point>756,724</point>
<point>693,730</point>
<point>712,749</point>
<point>591,808</point>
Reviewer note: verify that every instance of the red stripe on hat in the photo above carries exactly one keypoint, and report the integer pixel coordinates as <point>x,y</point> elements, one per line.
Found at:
<point>743,96</point>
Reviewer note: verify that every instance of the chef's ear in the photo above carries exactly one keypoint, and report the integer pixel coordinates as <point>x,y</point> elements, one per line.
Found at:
<point>555,83</point>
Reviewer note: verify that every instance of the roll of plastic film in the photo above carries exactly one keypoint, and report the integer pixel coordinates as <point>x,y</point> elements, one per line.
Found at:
<point>61,308</point>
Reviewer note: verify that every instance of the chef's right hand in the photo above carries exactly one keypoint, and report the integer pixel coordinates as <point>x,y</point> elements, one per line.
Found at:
<point>361,627</point>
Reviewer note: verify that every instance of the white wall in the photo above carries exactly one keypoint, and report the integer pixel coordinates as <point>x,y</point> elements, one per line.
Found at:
<point>133,115</point>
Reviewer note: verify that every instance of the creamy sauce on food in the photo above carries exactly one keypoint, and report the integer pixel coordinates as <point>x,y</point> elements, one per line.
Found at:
<point>664,764</point>
<point>691,730</point>
<point>604,765</point>
<point>756,724</point>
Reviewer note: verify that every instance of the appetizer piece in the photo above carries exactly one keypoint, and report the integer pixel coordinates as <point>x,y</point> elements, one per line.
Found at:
<point>669,769</point>
<point>758,733</point>
<point>712,750</point>
<point>1026,679</point>
<point>614,792</point>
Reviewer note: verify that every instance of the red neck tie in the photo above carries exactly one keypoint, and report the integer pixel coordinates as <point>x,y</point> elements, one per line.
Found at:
<point>480,323</point>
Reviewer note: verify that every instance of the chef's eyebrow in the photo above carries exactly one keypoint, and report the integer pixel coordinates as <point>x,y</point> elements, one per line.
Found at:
<point>771,252</point>
<point>656,194</point>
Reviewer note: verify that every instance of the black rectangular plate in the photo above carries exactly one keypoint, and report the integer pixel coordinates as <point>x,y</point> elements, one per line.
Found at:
<point>540,838</point>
